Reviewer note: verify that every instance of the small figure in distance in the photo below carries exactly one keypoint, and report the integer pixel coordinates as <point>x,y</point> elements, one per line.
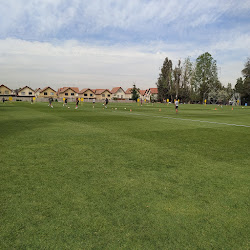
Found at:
<point>77,101</point>
<point>65,102</point>
<point>50,102</point>
<point>176,105</point>
<point>93,102</point>
<point>3,100</point>
<point>106,102</point>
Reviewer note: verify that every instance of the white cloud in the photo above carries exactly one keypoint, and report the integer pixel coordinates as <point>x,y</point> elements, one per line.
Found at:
<point>73,63</point>
<point>119,42</point>
<point>95,66</point>
<point>38,18</point>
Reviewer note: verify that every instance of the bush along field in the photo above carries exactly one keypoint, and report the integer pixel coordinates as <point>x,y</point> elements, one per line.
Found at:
<point>124,177</point>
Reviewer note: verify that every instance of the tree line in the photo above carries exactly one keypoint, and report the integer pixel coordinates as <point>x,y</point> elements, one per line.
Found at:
<point>198,81</point>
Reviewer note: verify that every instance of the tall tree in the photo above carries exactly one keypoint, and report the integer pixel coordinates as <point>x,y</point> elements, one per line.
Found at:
<point>246,71</point>
<point>177,78</point>
<point>246,82</point>
<point>135,93</point>
<point>239,86</point>
<point>186,78</point>
<point>194,87</point>
<point>164,80</point>
<point>206,75</point>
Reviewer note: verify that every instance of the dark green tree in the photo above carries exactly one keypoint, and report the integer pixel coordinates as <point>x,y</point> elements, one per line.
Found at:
<point>239,86</point>
<point>135,93</point>
<point>242,85</point>
<point>246,82</point>
<point>164,80</point>
<point>246,71</point>
<point>177,78</point>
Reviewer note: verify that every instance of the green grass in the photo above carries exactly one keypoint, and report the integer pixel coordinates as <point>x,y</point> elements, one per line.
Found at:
<point>114,179</point>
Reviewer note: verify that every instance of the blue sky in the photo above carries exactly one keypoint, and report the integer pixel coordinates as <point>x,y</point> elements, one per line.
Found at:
<point>107,43</point>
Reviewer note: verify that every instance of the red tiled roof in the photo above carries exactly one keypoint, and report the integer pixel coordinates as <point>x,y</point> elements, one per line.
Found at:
<point>26,87</point>
<point>84,90</point>
<point>128,91</point>
<point>5,87</point>
<point>154,90</point>
<point>62,90</point>
<point>114,90</point>
<point>75,89</point>
<point>142,92</point>
<point>100,91</point>
<point>46,88</point>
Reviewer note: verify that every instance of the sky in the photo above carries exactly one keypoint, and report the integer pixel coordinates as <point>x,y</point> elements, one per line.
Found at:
<point>110,43</point>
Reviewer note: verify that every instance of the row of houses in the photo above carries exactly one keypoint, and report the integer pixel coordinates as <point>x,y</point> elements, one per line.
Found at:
<point>116,93</point>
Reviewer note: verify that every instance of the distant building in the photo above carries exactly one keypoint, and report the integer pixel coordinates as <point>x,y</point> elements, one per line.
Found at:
<point>5,91</point>
<point>48,92</point>
<point>68,92</point>
<point>26,92</point>
<point>151,94</point>
<point>102,94</point>
<point>142,94</point>
<point>37,92</point>
<point>128,94</point>
<point>87,94</point>
<point>118,93</point>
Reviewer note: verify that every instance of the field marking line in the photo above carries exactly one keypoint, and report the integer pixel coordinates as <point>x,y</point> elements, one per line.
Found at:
<point>185,119</point>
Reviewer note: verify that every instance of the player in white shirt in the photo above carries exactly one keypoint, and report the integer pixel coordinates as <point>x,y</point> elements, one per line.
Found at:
<point>176,103</point>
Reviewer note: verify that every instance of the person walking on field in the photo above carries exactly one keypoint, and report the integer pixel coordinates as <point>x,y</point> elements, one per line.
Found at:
<point>93,102</point>
<point>77,101</point>
<point>65,102</point>
<point>50,102</point>
<point>106,102</point>
<point>176,105</point>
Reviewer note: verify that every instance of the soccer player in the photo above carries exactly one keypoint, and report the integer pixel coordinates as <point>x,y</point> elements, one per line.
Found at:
<point>77,101</point>
<point>65,102</point>
<point>93,102</point>
<point>106,102</point>
<point>176,105</point>
<point>50,102</point>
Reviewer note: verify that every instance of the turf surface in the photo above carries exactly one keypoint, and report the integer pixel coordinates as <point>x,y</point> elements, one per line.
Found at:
<point>97,178</point>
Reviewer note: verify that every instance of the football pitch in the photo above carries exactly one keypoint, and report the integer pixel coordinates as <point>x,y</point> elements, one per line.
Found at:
<point>125,177</point>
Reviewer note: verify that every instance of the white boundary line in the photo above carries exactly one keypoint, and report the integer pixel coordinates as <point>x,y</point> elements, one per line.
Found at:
<point>185,119</point>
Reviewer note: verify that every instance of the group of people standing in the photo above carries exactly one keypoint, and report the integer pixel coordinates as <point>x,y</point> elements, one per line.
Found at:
<point>77,102</point>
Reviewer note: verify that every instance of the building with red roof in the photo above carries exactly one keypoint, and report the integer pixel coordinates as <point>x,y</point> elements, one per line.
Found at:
<point>68,92</point>
<point>47,92</point>
<point>5,91</point>
<point>87,93</point>
<point>102,94</point>
<point>128,94</point>
<point>118,93</point>
<point>152,94</point>
<point>26,91</point>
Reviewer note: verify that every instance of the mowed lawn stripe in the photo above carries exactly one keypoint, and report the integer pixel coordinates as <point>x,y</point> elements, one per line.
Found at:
<point>185,119</point>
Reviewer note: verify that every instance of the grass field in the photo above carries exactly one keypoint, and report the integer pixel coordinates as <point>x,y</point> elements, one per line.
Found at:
<point>114,179</point>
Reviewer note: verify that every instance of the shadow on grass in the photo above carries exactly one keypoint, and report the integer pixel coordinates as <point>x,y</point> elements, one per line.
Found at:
<point>17,126</point>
